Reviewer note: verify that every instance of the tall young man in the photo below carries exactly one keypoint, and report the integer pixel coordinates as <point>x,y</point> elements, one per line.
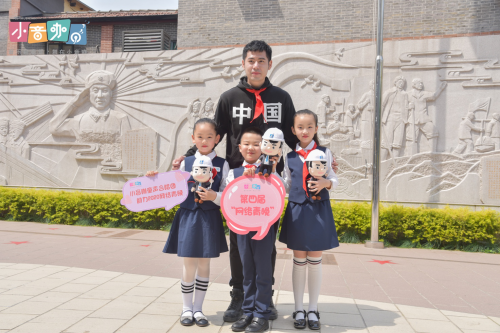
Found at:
<point>253,102</point>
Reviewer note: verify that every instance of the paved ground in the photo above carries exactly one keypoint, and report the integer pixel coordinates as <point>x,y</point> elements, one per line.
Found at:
<point>56,278</point>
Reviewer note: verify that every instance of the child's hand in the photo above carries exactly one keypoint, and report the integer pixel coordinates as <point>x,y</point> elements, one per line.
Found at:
<point>318,185</point>
<point>151,173</point>
<point>207,194</point>
<point>275,160</point>
<point>250,172</point>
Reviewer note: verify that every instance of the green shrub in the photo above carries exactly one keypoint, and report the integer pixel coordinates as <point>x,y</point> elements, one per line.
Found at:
<point>463,229</point>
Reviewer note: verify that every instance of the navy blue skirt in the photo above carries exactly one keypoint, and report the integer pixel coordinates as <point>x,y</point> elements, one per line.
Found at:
<point>196,234</point>
<point>309,227</point>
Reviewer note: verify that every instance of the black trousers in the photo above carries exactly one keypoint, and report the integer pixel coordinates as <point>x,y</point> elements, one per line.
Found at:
<point>235,259</point>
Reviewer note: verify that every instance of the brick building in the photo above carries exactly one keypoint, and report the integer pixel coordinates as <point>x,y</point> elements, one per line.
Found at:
<point>211,23</point>
<point>106,30</point>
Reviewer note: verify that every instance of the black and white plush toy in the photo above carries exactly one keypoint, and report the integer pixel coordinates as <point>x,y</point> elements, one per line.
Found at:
<point>271,145</point>
<point>202,174</point>
<point>317,168</point>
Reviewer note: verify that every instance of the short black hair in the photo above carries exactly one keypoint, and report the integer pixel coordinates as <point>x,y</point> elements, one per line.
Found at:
<point>205,121</point>
<point>259,46</point>
<point>252,129</point>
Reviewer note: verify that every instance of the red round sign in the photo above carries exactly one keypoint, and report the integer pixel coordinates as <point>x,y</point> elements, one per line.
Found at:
<point>253,204</point>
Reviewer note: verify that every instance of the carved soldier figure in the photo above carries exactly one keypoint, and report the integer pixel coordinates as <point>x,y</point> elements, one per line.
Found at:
<point>16,142</point>
<point>493,130</point>
<point>366,105</point>
<point>100,123</point>
<point>394,117</point>
<point>4,130</point>
<point>350,118</point>
<point>465,134</point>
<point>418,99</point>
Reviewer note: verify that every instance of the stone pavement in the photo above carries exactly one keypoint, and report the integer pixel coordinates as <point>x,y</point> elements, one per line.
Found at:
<point>57,278</point>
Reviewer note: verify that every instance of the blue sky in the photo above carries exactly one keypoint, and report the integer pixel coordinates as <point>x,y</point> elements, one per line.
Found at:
<point>131,4</point>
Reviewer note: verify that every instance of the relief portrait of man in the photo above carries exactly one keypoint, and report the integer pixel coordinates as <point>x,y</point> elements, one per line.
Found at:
<point>100,123</point>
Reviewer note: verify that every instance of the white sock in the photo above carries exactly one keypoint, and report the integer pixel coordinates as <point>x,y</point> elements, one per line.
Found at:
<point>187,298</point>
<point>313,284</point>
<point>199,294</point>
<point>299,284</point>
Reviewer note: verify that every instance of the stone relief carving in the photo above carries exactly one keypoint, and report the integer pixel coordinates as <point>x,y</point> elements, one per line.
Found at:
<point>418,118</point>
<point>158,96</point>
<point>394,118</point>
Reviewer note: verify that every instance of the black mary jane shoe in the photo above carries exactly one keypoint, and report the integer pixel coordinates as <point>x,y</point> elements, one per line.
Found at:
<point>241,324</point>
<point>258,325</point>
<point>300,324</point>
<point>313,324</point>
<point>187,320</point>
<point>202,322</point>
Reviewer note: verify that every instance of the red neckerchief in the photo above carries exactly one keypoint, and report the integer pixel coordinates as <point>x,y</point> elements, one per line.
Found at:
<point>259,106</point>
<point>248,166</point>
<point>303,153</point>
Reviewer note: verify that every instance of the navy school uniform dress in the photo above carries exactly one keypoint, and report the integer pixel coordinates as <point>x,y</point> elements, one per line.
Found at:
<point>257,269</point>
<point>197,230</point>
<point>308,224</point>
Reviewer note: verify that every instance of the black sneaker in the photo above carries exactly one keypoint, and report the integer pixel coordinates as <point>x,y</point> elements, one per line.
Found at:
<point>274,311</point>
<point>234,311</point>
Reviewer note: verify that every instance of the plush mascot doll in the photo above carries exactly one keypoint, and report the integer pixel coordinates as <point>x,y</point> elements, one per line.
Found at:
<point>317,168</point>
<point>271,145</point>
<point>203,173</point>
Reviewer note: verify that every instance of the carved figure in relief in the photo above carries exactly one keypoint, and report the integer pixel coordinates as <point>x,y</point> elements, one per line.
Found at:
<point>465,134</point>
<point>100,123</point>
<point>419,120</point>
<point>193,113</point>
<point>493,130</point>
<point>336,126</point>
<point>394,117</point>
<point>350,119</point>
<point>4,130</point>
<point>16,142</point>
<point>366,106</point>
<point>208,109</point>
<point>322,110</point>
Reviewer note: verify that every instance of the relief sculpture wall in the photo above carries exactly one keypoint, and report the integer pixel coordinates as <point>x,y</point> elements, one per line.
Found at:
<point>93,121</point>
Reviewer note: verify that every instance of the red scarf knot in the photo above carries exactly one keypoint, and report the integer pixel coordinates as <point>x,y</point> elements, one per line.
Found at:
<point>259,106</point>
<point>304,154</point>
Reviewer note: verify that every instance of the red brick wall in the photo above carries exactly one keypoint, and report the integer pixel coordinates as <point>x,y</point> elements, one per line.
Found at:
<point>13,12</point>
<point>106,39</point>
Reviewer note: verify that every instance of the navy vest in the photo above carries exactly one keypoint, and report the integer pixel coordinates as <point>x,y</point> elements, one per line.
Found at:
<point>297,193</point>
<point>217,162</point>
<point>238,172</point>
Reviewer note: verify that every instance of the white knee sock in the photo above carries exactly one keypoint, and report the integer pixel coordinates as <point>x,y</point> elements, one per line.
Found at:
<point>187,284</point>
<point>199,294</point>
<point>299,284</point>
<point>187,297</point>
<point>313,284</point>
<point>201,286</point>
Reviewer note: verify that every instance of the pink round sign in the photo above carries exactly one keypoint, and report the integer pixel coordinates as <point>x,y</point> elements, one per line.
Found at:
<point>253,204</point>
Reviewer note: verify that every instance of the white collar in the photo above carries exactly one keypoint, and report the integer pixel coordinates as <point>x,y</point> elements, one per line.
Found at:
<point>211,155</point>
<point>309,146</point>
<point>256,163</point>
